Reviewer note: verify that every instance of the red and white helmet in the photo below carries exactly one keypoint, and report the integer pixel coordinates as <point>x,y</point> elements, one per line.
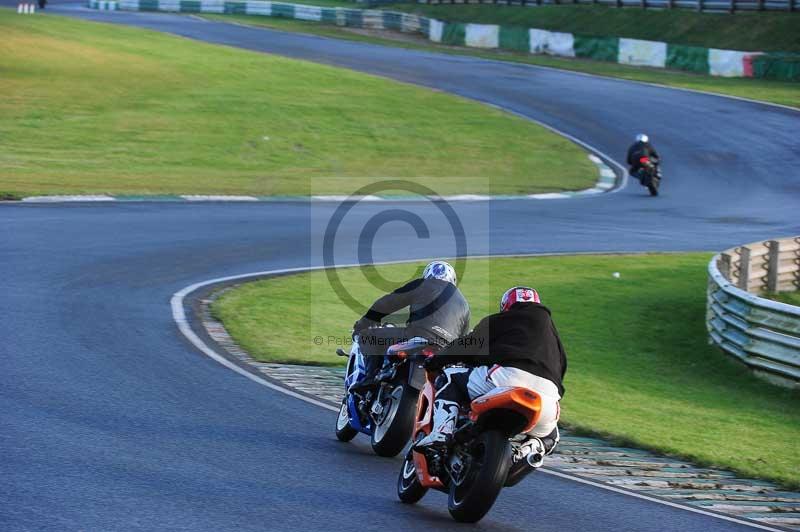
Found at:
<point>518,294</point>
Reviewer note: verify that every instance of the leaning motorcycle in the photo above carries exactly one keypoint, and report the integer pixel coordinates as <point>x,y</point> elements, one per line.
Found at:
<point>384,411</point>
<point>487,451</point>
<point>649,174</point>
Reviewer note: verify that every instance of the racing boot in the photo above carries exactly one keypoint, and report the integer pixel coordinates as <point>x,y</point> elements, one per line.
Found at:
<point>445,414</point>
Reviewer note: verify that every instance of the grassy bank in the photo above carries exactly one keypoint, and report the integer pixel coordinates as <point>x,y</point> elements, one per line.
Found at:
<point>765,31</point>
<point>90,108</point>
<point>640,368</point>
<point>781,92</point>
<point>792,298</point>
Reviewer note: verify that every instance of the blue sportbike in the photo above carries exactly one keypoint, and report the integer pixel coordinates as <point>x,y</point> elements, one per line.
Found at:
<point>384,410</point>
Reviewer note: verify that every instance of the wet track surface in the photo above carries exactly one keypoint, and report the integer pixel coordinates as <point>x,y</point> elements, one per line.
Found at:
<point>111,421</point>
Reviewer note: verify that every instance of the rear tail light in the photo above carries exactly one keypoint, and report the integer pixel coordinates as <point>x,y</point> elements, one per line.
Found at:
<point>644,160</point>
<point>428,352</point>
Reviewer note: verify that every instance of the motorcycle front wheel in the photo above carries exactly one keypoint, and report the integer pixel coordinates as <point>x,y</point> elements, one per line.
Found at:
<point>409,490</point>
<point>473,494</point>
<point>393,427</point>
<point>344,431</point>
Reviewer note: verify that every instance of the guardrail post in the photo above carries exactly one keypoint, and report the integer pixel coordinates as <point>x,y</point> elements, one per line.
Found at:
<point>744,267</point>
<point>724,265</point>
<point>797,265</point>
<point>773,264</point>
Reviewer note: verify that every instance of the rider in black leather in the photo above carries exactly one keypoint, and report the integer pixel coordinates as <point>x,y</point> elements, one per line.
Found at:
<point>519,346</point>
<point>641,148</point>
<point>438,312</point>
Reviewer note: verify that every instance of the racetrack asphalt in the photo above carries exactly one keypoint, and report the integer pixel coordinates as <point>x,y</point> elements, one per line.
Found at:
<point>111,421</point>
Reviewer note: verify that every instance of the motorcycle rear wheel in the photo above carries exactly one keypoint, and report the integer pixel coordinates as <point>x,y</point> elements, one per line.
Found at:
<point>653,187</point>
<point>473,497</point>
<point>393,433</point>
<point>409,490</point>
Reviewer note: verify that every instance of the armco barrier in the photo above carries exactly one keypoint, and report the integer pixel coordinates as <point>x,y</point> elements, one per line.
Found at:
<point>728,63</point>
<point>763,334</point>
<point>716,6</point>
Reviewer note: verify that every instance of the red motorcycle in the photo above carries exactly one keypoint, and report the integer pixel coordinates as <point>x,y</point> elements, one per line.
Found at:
<point>483,456</point>
<point>649,174</point>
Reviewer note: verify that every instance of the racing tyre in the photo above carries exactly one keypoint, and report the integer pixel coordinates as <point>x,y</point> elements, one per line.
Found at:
<point>517,472</point>
<point>344,431</point>
<point>409,490</point>
<point>475,492</point>
<point>393,428</point>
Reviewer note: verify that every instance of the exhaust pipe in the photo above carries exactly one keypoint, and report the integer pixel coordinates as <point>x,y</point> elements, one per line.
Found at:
<point>535,459</point>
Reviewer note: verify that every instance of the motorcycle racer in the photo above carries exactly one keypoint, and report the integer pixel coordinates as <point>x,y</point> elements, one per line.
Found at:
<point>438,312</point>
<point>641,148</point>
<point>519,346</point>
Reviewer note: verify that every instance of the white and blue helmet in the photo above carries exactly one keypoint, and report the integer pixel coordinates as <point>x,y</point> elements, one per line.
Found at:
<point>439,269</point>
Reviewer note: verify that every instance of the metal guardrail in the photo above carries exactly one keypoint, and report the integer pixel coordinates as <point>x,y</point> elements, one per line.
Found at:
<point>729,6</point>
<point>763,334</point>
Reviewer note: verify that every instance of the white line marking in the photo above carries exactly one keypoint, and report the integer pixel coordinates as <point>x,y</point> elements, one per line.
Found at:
<point>179,315</point>
<point>467,197</point>
<point>549,195</point>
<point>211,197</point>
<point>53,199</point>
<point>693,509</point>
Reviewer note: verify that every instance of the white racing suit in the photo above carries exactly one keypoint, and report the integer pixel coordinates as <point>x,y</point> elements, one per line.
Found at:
<point>459,385</point>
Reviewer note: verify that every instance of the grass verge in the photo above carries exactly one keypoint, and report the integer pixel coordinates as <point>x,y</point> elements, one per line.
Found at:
<point>780,92</point>
<point>756,31</point>
<point>640,369</point>
<point>791,298</point>
<point>94,108</point>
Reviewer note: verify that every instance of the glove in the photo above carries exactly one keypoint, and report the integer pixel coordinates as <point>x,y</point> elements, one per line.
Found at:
<point>434,363</point>
<point>363,323</point>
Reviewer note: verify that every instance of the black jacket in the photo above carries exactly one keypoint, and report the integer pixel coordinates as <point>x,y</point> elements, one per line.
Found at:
<point>640,149</point>
<point>438,310</point>
<point>523,337</point>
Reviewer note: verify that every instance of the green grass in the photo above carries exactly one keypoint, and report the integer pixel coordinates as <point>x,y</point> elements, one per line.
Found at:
<point>792,298</point>
<point>640,368</point>
<point>741,31</point>
<point>91,108</point>
<point>781,92</point>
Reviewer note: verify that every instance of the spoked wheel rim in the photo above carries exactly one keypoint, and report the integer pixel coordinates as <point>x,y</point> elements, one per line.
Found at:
<point>464,483</point>
<point>344,417</point>
<point>391,405</point>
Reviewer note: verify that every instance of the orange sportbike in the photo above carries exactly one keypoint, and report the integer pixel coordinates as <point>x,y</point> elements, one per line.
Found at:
<point>484,455</point>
